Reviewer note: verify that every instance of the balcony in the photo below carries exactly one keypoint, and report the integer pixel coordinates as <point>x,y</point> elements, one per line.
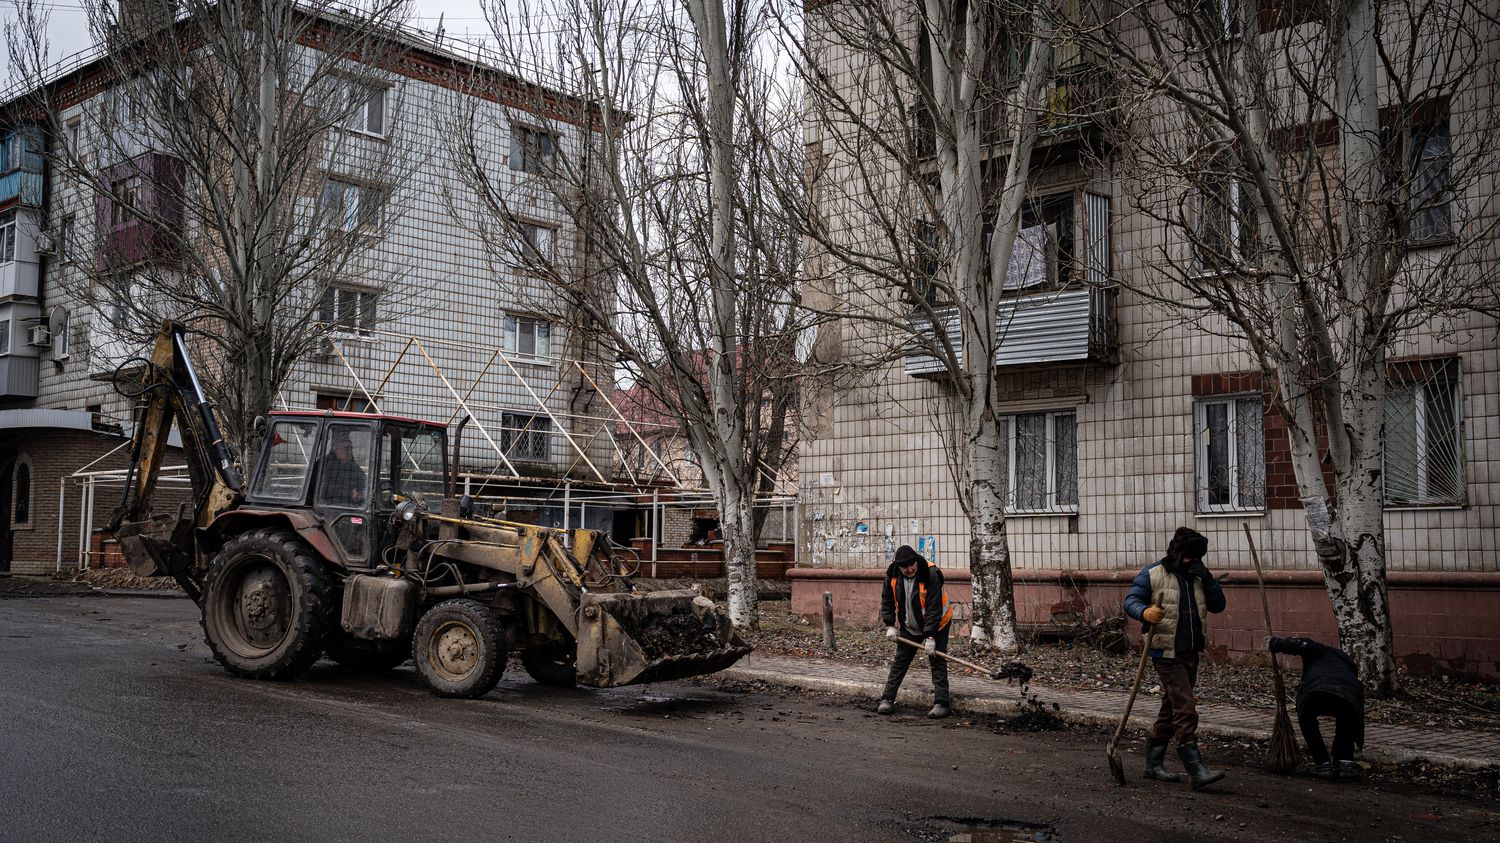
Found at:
<point>19,376</point>
<point>1064,326</point>
<point>23,185</point>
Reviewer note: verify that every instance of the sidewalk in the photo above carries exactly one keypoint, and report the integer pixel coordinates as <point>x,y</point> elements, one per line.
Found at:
<point>1383,742</point>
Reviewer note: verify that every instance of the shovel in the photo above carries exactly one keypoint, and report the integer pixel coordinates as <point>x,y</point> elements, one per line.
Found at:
<point>1116,766</point>
<point>1013,670</point>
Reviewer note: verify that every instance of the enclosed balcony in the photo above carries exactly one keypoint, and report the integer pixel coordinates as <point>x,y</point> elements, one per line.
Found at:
<point>21,167</point>
<point>1057,305</point>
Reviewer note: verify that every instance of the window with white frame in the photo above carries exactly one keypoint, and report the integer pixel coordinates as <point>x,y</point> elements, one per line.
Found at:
<point>526,438</point>
<point>348,309</point>
<point>1041,461</point>
<point>532,150</point>
<point>1230,453</point>
<point>66,232</point>
<point>535,241</point>
<point>352,207</point>
<point>7,237</point>
<point>526,335</point>
<point>125,199</point>
<point>1423,460</point>
<point>73,132</point>
<point>1225,220</point>
<point>366,106</point>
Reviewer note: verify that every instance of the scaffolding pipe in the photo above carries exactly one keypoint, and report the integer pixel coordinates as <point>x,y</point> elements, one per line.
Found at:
<point>655,528</point>
<point>62,494</point>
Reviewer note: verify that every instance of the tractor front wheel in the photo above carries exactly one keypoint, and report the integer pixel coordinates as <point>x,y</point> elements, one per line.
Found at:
<point>266,605</point>
<point>458,650</point>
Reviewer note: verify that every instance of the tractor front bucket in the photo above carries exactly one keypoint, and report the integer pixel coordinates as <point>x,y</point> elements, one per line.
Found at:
<point>632,638</point>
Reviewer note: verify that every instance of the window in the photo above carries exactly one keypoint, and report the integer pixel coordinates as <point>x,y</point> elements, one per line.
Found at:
<point>535,241</point>
<point>526,438</point>
<point>1230,453</point>
<point>1223,15</point>
<point>527,335</point>
<point>352,207</point>
<point>344,471</point>
<point>4,336</point>
<point>65,237</point>
<point>927,254</point>
<point>1042,461</point>
<point>532,150</point>
<point>342,403</point>
<point>1042,254</point>
<point>62,339</point>
<point>366,107</point>
<point>1422,456</point>
<point>22,505</point>
<point>1422,182</point>
<point>1226,220</point>
<point>7,237</point>
<point>284,468</point>
<point>125,199</point>
<point>413,465</point>
<point>73,136</point>
<point>348,309</point>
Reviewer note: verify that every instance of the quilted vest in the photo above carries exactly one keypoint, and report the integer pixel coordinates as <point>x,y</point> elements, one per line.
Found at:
<point>1166,594</point>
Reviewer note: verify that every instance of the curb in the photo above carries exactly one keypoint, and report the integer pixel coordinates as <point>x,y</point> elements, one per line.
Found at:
<point>153,593</point>
<point>1008,708</point>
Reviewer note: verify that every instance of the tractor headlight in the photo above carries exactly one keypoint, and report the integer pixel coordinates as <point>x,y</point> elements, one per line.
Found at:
<point>407,511</point>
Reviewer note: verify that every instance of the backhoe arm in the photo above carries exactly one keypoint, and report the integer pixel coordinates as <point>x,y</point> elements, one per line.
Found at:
<point>173,393</point>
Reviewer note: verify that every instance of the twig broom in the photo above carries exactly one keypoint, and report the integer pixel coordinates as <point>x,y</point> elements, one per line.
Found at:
<point>1282,756</point>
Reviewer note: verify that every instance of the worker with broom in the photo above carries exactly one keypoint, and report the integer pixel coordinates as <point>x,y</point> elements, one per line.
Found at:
<point>1330,687</point>
<point>1172,598</point>
<point>913,606</point>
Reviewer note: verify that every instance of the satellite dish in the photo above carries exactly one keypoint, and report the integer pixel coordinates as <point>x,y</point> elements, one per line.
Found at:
<point>57,321</point>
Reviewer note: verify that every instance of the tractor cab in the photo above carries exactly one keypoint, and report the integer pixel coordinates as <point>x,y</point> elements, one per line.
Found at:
<point>348,471</point>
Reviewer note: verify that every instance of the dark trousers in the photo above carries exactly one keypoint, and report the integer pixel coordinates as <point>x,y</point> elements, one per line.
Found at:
<point>905,653</point>
<point>1346,724</point>
<point>1178,717</point>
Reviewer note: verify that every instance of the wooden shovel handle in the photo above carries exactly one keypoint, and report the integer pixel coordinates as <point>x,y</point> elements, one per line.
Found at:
<point>965,662</point>
<point>1265,606</point>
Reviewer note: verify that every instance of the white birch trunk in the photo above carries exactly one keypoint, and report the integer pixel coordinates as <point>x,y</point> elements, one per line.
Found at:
<point>736,476</point>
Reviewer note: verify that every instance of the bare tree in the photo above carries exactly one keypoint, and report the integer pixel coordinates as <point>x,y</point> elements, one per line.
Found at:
<point>1316,170</point>
<point>678,269</point>
<point>234,173</point>
<point>921,124</point>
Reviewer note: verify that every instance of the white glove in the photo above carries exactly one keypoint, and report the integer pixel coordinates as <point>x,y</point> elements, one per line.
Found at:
<point>891,633</point>
<point>929,646</point>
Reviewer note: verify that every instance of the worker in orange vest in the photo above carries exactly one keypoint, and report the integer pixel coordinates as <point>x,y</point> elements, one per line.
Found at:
<point>913,606</point>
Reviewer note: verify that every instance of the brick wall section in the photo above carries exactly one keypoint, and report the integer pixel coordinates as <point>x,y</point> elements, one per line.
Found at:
<point>56,454</point>
<point>1444,623</point>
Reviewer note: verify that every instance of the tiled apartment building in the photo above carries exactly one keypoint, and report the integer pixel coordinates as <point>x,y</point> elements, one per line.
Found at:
<point>491,342</point>
<point>1125,423</point>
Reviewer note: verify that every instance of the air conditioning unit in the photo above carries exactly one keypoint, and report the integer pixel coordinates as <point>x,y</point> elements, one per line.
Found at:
<point>45,245</point>
<point>38,336</point>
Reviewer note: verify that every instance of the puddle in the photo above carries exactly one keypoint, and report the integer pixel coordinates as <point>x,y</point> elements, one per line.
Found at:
<point>996,830</point>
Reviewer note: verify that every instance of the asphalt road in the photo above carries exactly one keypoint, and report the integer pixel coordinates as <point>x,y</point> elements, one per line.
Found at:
<point>116,725</point>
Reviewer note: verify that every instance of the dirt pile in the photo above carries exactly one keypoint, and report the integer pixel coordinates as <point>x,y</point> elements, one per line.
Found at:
<point>678,634</point>
<point>123,578</point>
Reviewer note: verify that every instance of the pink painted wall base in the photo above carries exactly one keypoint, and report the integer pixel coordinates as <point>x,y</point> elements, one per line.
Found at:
<point>1445,623</point>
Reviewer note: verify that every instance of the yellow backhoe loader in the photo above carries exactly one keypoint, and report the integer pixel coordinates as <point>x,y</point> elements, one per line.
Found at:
<point>348,541</point>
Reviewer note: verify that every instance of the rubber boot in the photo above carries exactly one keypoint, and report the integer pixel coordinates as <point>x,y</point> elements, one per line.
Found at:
<point>939,711</point>
<point>1156,756</point>
<point>1199,775</point>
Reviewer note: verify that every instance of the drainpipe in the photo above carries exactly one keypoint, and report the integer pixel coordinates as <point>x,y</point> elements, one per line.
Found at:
<point>62,493</point>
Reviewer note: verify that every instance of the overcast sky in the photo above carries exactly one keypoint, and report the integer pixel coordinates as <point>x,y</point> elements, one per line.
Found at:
<point>68,23</point>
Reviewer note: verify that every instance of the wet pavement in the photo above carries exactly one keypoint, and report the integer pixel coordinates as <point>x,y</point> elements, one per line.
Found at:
<point>117,726</point>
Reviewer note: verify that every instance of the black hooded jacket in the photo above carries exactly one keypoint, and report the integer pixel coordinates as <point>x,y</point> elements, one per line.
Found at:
<point>935,611</point>
<point>1325,670</point>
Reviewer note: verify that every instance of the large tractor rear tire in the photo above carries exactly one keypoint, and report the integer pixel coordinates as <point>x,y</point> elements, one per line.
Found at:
<point>266,605</point>
<point>458,650</point>
<point>552,663</point>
